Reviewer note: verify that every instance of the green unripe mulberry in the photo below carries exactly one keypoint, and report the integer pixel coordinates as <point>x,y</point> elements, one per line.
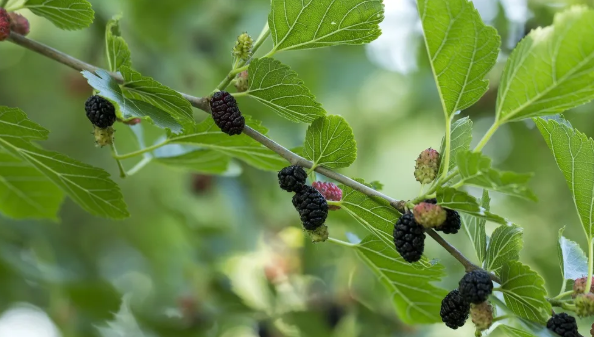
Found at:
<point>427,166</point>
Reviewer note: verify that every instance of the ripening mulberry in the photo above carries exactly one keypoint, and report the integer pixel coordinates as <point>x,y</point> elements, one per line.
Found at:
<point>409,238</point>
<point>454,310</point>
<point>312,207</point>
<point>100,112</point>
<point>292,178</point>
<point>563,325</point>
<point>429,215</point>
<point>226,114</point>
<point>4,24</point>
<point>476,286</point>
<point>330,191</point>
<point>579,286</point>
<point>19,24</point>
<point>584,305</point>
<point>427,166</point>
<point>482,315</point>
<point>452,224</point>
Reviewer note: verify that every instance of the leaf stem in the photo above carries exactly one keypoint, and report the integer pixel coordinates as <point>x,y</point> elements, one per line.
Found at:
<point>142,151</point>
<point>114,154</point>
<point>341,243</point>
<point>590,264</point>
<point>448,144</point>
<point>487,137</point>
<point>202,104</point>
<point>262,38</point>
<point>561,295</point>
<point>141,164</point>
<point>502,317</point>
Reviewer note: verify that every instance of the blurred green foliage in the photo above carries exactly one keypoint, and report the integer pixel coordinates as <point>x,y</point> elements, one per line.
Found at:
<point>225,256</point>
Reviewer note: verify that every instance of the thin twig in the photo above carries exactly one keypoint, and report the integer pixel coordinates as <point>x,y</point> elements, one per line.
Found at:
<point>202,104</point>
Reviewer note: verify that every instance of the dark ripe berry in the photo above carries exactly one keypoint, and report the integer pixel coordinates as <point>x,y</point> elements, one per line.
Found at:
<point>409,238</point>
<point>292,178</point>
<point>454,310</point>
<point>452,223</point>
<point>4,24</point>
<point>100,112</point>
<point>19,24</point>
<point>563,325</point>
<point>476,286</point>
<point>312,207</point>
<point>226,114</point>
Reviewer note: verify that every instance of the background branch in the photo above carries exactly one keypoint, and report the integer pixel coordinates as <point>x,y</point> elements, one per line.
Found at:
<point>202,104</point>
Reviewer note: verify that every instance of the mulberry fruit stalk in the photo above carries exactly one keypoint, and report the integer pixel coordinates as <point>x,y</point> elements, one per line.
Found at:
<point>226,114</point>
<point>409,238</point>
<point>454,310</point>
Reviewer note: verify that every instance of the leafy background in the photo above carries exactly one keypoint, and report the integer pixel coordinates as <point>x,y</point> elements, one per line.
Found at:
<point>224,256</point>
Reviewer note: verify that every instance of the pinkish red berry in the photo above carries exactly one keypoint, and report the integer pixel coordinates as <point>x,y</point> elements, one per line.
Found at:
<point>4,24</point>
<point>427,166</point>
<point>330,191</point>
<point>133,121</point>
<point>19,24</point>
<point>429,215</point>
<point>579,286</point>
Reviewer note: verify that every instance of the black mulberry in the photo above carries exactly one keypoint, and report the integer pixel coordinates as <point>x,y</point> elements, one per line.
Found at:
<point>100,112</point>
<point>226,114</point>
<point>292,178</point>
<point>454,310</point>
<point>476,286</point>
<point>563,325</point>
<point>409,238</point>
<point>312,207</point>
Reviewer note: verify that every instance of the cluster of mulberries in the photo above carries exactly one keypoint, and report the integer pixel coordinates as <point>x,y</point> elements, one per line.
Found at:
<point>226,114</point>
<point>102,114</point>
<point>309,201</point>
<point>450,225</point>
<point>12,22</point>
<point>470,298</point>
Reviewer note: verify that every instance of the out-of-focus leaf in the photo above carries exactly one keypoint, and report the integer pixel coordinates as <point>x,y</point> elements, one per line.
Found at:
<point>65,14</point>
<point>514,332</point>
<point>200,161</point>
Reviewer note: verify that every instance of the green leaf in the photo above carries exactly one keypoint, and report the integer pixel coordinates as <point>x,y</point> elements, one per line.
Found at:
<point>475,169</point>
<point>130,108</point>
<point>146,89</point>
<point>65,14</point>
<point>199,161</point>
<point>505,246</point>
<point>461,136</point>
<point>513,332</point>
<point>524,292</point>
<point>330,142</point>
<point>277,86</point>
<point>416,300</point>
<point>118,53</point>
<point>461,48</point>
<point>475,228</point>
<point>463,202</point>
<point>551,70</point>
<point>574,153</point>
<point>375,214</point>
<point>306,24</point>
<point>573,260</point>
<point>209,136</point>
<point>25,192</point>
<point>88,186</point>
